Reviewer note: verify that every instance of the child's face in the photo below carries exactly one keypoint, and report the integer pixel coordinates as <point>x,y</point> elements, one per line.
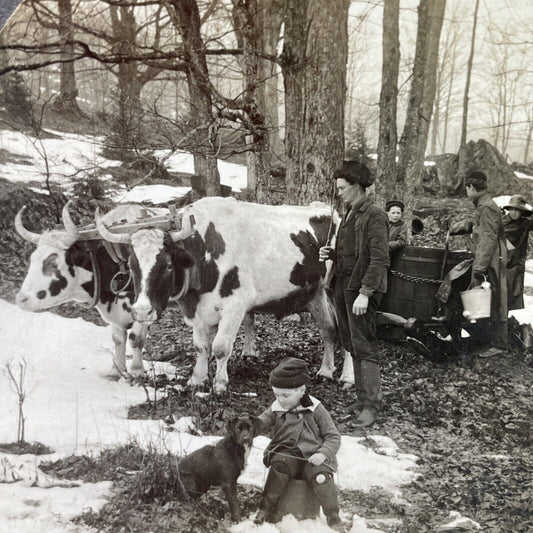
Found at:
<point>289,398</point>
<point>514,213</point>
<point>395,213</point>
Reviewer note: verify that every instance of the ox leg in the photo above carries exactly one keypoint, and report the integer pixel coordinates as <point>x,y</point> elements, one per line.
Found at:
<point>228,328</point>
<point>323,314</point>
<point>347,376</point>
<point>119,337</point>
<point>137,338</point>
<point>202,339</point>
<point>249,349</point>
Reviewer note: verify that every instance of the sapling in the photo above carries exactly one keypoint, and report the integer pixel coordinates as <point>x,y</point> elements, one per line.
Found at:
<point>18,386</point>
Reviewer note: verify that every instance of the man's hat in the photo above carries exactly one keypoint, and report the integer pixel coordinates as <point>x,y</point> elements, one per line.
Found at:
<point>476,178</point>
<point>519,202</point>
<point>393,203</point>
<point>354,172</point>
<point>291,373</point>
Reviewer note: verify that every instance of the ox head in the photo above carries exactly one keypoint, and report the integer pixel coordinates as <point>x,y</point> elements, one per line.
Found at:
<point>52,277</point>
<point>159,266</point>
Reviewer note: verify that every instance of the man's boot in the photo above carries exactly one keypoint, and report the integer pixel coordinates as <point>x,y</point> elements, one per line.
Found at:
<point>371,385</point>
<point>357,406</point>
<point>274,486</point>
<point>326,493</point>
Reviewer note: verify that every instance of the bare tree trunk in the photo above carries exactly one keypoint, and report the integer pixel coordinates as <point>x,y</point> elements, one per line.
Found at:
<point>249,32</point>
<point>66,101</point>
<point>529,135</point>
<point>448,101</point>
<point>468,76</point>
<point>430,75</point>
<point>388,103</point>
<point>271,19</point>
<point>186,18</point>
<point>129,89</point>
<point>313,62</point>
<point>408,159</point>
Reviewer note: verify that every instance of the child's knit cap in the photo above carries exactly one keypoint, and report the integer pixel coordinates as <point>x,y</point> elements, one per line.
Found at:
<point>291,373</point>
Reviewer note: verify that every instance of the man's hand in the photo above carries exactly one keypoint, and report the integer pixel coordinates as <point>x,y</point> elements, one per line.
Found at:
<point>325,253</point>
<point>317,458</point>
<point>360,305</point>
<point>478,278</point>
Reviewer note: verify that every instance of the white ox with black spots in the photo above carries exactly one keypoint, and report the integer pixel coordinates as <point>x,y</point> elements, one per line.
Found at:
<point>61,270</point>
<point>238,258</point>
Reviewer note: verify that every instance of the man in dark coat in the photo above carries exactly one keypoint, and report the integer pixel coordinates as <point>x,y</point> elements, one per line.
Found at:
<point>361,258</point>
<point>517,222</point>
<point>490,258</point>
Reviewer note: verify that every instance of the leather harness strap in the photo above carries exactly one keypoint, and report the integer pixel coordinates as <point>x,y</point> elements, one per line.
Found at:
<point>96,280</point>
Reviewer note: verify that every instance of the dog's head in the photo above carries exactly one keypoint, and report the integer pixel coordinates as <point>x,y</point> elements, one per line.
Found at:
<point>243,429</point>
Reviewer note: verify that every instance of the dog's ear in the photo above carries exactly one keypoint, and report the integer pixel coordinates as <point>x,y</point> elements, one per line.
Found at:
<point>258,424</point>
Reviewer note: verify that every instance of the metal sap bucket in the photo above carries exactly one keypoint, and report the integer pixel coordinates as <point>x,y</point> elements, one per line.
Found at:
<point>299,500</point>
<point>476,302</point>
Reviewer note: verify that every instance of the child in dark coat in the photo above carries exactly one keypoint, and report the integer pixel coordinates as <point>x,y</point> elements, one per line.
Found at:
<point>305,442</point>
<point>397,226</point>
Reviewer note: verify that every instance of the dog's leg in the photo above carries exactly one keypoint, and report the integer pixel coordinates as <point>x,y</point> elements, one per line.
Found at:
<point>230,491</point>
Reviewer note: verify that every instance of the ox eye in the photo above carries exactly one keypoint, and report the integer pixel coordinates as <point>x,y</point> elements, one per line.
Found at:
<point>50,264</point>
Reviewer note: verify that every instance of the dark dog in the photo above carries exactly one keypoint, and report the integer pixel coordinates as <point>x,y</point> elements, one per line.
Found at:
<point>221,464</point>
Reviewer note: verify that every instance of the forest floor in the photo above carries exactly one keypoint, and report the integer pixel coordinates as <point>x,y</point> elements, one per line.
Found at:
<point>469,426</point>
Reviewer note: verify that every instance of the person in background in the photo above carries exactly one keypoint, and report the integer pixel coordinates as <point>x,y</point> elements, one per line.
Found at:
<point>397,226</point>
<point>361,260</point>
<point>490,258</point>
<point>517,222</point>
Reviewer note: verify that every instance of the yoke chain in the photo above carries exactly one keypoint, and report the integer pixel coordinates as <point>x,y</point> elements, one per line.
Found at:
<point>414,279</point>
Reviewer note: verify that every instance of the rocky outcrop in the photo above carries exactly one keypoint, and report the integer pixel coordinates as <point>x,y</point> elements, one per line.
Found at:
<point>481,155</point>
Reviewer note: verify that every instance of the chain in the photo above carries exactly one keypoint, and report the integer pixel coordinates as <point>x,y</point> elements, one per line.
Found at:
<point>414,279</point>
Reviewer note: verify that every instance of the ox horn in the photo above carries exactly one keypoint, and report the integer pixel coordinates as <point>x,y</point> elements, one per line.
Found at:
<point>70,227</point>
<point>117,238</point>
<point>22,231</point>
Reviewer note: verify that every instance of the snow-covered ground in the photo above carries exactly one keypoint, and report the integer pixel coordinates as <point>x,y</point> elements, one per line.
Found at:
<point>72,157</point>
<point>72,408</point>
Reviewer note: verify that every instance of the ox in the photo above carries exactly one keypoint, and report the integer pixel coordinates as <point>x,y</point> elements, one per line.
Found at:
<point>63,269</point>
<point>237,258</point>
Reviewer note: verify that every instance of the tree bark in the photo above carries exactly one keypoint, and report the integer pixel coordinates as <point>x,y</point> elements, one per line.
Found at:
<point>409,165</point>
<point>314,57</point>
<point>388,103</point>
<point>66,101</point>
<point>249,28</point>
<point>468,76</point>
<point>430,75</point>
<point>186,18</point>
<point>129,89</point>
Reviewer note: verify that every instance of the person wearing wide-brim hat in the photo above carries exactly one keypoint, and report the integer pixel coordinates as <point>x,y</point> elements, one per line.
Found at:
<point>397,226</point>
<point>517,222</point>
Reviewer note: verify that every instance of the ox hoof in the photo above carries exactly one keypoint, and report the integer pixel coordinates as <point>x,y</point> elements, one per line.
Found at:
<point>347,385</point>
<point>115,375</point>
<point>196,385</point>
<point>136,373</point>
<point>325,374</point>
<point>251,355</point>
<point>220,389</point>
